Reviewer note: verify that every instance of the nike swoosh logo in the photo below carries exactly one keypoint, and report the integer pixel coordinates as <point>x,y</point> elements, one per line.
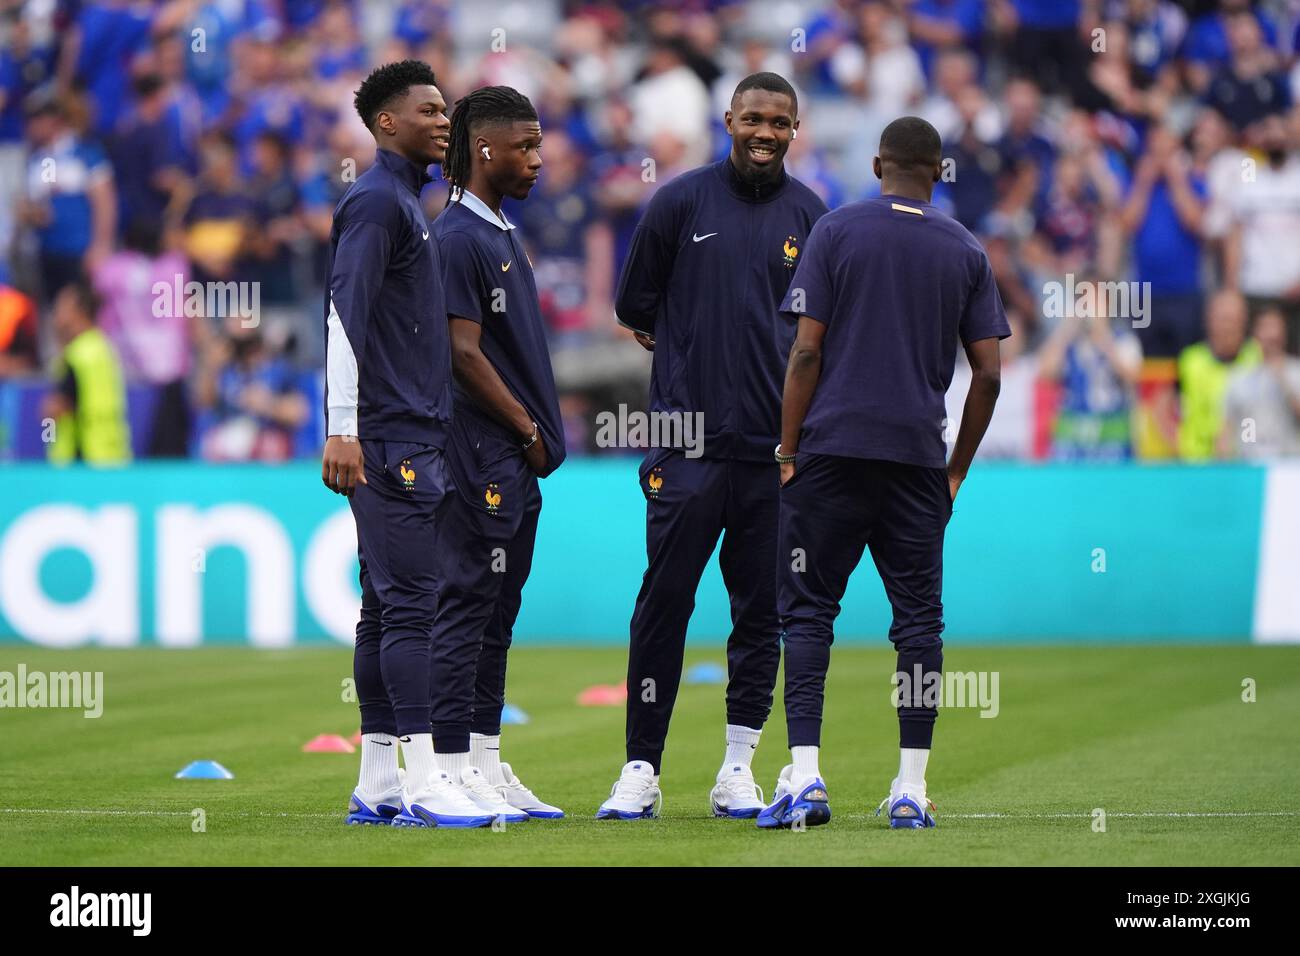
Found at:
<point>505,266</point>
<point>385,743</point>
<point>405,740</point>
<point>699,238</point>
<point>426,234</point>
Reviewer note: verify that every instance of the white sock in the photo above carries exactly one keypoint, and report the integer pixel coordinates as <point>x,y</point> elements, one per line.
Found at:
<point>741,744</point>
<point>453,764</point>
<point>805,762</point>
<point>378,763</point>
<point>421,766</point>
<point>911,771</point>
<point>485,753</point>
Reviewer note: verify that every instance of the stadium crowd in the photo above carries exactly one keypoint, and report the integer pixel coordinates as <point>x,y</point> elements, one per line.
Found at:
<point>1147,151</point>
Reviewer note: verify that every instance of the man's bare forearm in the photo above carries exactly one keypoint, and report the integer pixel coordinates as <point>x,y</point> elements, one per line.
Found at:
<point>975,417</point>
<point>801,376</point>
<point>477,376</point>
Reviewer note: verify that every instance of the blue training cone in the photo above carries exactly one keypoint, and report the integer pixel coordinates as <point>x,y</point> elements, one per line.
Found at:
<point>706,673</point>
<point>510,714</point>
<point>204,770</point>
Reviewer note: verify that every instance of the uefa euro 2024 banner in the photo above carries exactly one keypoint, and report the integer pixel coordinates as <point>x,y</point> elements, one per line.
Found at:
<point>180,555</point>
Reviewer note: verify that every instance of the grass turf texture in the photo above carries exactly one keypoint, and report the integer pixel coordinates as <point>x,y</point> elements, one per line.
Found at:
<point>1132,730</point>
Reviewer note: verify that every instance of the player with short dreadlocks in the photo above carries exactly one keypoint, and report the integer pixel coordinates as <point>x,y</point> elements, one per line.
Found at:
<point>506,432</point>
<point>490,106</point>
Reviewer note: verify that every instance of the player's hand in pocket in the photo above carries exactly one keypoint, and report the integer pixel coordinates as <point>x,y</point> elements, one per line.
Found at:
<point>787,471</point>
<point>535,455</point>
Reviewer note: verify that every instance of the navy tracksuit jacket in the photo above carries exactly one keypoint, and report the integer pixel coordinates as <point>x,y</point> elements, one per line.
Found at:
<point>388,384</point>
<point>709,264</point>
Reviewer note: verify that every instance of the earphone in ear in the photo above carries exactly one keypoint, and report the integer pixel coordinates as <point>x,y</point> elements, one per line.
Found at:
<point>794,134</point>
<point>486,154</point>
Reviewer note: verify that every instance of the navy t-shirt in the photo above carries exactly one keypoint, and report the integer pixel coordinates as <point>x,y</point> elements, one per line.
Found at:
<point>897,284</point>
<point>488,279</point>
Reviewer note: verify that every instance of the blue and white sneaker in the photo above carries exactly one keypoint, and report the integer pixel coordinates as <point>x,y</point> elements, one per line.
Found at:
<point>908,811</point>
<point>634,796</point>
<point>521,798</point>
<point>440,803</point>
<point>805,802</point>
<point>736,794</point>
<point>374,810</point>
<point>488,798</point>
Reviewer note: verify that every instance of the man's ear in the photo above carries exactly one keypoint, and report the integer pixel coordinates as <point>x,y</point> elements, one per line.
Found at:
<point>875,167</point>
<point>938,173</point>
<point>385,124</point>
<point>726,121</point>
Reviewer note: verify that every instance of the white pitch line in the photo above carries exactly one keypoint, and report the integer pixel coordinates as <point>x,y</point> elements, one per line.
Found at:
<point>1165,814</point>
<point>1086,816</point>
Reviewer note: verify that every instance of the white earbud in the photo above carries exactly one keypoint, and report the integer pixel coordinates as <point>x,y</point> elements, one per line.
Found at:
<point>486,154</point>
<point>794,134</point>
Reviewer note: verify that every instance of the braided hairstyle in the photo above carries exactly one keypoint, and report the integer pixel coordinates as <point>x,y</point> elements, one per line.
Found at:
<point>491,104</point>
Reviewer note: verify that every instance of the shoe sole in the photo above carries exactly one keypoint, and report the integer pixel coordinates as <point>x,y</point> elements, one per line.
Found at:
<point>746,814</point>
<point>420,817</point>
<point>545,814</point>
<point>910,823</point>
<point>646,814</point>
<point>368,820</point>
<point>815,813</point>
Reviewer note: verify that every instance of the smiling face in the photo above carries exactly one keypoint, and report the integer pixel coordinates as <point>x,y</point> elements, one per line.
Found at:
<point>416,125</point>
<point>760,123</point>
<point>515,148</point>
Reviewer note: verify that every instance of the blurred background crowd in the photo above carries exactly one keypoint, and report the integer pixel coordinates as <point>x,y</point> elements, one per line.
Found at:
<point>1085,142</point>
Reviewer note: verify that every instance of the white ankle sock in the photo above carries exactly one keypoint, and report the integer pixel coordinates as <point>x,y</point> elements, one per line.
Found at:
<point>453,764</point>
<point>421,767</point>
<point>805,762</point>
<point>741,744</point>
<point>485,753</point>
<point>911,771</point>
<point>378,763</point>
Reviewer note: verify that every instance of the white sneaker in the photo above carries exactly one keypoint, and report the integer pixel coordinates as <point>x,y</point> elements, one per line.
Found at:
<point>521,798</point>
<point>635,795</point>
<point>374,809</point>
<point>487,797</point>
<point>736,794</point>
<point>440,803</point>
<point>804,802</point>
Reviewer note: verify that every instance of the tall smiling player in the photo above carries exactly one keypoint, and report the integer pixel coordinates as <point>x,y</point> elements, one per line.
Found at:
<point>702,287</point>
<point>506,433</point>
<point>388,405</point>
<point>886,290</point>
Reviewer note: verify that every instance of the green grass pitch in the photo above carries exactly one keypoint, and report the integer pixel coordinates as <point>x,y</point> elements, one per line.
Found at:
<point>1156,736</point>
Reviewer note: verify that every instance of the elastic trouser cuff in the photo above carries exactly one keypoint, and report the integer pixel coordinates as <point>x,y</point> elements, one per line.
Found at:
<point>411,720</point>
<point>378,719</point>
<point>450,740</point>
<point>488,725</point>
<point>804,731</point>
<point>750,719</point>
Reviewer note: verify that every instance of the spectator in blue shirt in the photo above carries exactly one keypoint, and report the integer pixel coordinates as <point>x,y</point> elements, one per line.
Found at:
<point>1163,213</point>
<point>71,202</point>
